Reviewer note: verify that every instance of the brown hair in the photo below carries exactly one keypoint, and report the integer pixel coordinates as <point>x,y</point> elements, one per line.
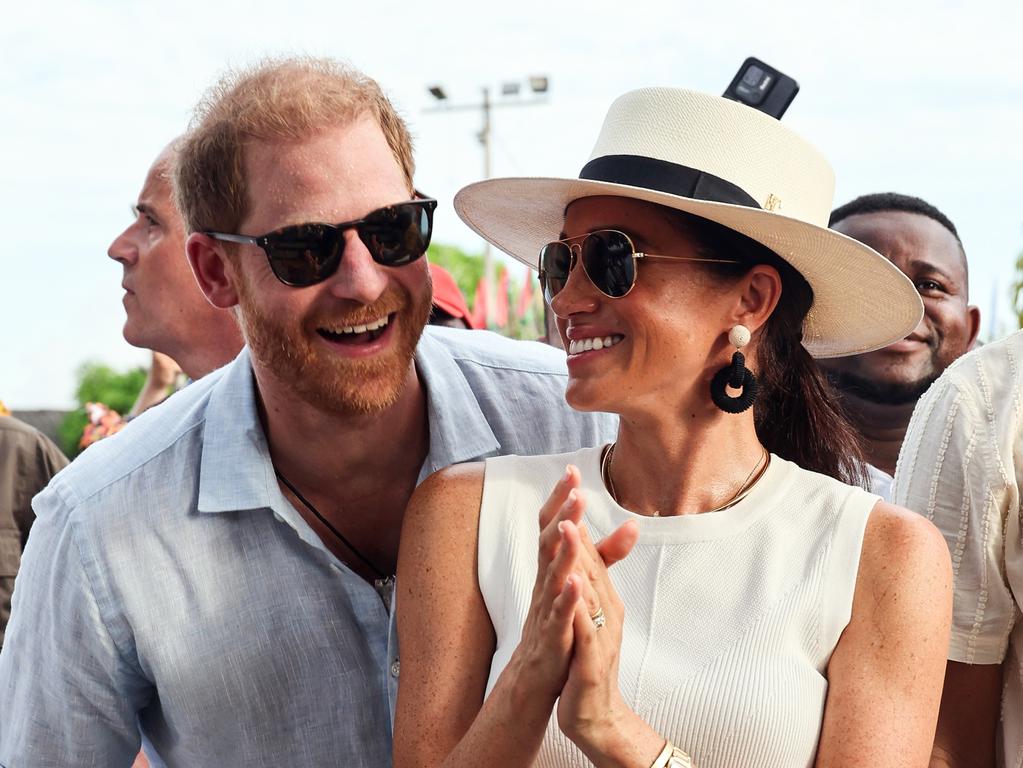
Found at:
<point>277,100</point>
<point>798,414</point>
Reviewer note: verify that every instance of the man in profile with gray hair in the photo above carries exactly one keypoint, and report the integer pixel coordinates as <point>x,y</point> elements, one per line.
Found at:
<point>164,309</point>
<point>219,573</point>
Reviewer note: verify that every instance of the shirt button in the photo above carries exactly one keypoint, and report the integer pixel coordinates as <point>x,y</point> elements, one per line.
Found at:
<point>395,668</point>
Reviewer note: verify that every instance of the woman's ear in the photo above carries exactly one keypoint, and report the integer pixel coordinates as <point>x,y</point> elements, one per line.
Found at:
<point>212,271</point>
<point>761,290</point>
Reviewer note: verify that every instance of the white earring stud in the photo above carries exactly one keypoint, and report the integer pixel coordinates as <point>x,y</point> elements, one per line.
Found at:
<point>739,336</point>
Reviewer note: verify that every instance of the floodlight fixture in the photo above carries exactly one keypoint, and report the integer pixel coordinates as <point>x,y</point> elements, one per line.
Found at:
<point>539,83</point>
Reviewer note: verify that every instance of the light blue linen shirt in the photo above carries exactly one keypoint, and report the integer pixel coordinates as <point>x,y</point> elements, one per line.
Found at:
<point>169,587</point>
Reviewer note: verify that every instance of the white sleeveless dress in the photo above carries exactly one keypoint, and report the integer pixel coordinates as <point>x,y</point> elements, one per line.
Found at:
<point>730,617</point>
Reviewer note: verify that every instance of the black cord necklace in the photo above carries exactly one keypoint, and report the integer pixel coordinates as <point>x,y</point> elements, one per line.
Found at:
<point>382,580</point>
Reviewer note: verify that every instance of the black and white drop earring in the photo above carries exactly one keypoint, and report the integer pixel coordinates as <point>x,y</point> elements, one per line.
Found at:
<point>736,375</point>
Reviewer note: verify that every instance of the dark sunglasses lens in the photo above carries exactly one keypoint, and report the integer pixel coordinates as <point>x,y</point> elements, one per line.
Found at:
<point>304,255</point>
<point>607,259</point>
<point>399,234</point>
<point>555,264</point>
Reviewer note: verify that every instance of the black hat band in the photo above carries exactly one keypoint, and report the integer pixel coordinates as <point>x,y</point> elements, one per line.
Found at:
<point>662,176</point>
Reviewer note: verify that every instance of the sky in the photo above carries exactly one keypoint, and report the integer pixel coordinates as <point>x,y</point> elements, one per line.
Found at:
<point>924,98</point>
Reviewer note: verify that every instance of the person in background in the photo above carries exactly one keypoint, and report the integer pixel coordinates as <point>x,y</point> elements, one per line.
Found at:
<point>163,377</point>
<point>880,389</point>
<point>162,380</point>
<point>165,311</point>
<point>449,307</point>
<point>28,459</point>
<point>220,572</point>
<point>961,466</point>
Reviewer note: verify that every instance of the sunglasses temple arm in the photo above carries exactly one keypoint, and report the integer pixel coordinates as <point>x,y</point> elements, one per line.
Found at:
<point>686,258</point>
<point>245,239</point>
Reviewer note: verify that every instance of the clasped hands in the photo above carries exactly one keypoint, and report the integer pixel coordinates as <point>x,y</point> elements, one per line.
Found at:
<point>564,655</point>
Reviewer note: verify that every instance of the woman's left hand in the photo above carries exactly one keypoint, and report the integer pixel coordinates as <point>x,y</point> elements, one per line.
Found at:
<point>591,711</point>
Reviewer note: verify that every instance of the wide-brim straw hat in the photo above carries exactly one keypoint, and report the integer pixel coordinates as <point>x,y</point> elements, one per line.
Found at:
<point>731,164</point>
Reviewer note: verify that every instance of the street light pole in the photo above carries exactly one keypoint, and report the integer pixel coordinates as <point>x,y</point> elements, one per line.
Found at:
<point>539,85</point>
<point>489,282</point>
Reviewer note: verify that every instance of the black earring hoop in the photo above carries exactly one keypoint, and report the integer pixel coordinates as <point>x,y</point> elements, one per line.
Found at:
<point>737,376</point>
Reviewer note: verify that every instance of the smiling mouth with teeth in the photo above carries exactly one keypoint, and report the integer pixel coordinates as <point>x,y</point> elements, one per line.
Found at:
<point>578,346</point>
<point>356,334</point>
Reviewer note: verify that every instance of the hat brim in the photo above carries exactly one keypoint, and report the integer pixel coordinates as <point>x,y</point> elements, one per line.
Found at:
<point>862,302</point>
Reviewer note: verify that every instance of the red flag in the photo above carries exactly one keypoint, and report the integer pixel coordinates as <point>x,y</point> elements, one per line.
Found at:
<point>501,301</point>
<point>479,304</point>
<point>526,296</point>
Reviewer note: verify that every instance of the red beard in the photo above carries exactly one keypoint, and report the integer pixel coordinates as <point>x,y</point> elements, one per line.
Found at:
<point>290,351</point>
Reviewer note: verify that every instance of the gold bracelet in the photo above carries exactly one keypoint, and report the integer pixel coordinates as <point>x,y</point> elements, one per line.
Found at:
<point>672,757</point>
<point>662,759</point>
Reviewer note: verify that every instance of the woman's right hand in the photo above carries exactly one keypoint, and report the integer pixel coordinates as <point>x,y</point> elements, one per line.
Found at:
<point>541,660</point>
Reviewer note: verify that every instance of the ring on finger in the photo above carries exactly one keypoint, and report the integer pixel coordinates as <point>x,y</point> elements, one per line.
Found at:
<point>598,618</point>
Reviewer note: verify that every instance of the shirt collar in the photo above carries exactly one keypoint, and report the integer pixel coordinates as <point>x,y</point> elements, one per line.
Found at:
<point>459,430</point>
<point>235,470</point>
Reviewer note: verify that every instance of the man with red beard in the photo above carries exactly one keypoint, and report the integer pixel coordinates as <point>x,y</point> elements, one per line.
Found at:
<point>219,573</point>
<point>881,388</point>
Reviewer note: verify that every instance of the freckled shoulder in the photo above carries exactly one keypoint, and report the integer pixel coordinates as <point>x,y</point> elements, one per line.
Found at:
<point>443,513</point>
<point>891,656</point>
<point>901,545</point>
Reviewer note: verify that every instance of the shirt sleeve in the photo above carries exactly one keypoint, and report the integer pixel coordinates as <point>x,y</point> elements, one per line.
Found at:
<point>954,470</point>
<point>68,693</point>
<point>38,465</point>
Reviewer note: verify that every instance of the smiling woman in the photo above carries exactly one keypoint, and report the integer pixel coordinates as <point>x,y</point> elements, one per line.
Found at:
<point>692,280</point>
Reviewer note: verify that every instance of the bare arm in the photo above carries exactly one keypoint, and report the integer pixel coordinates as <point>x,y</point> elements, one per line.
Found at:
<point>886,673</point>
<point>159,379</point>
<point>447,639</point>
<point>968,720</point>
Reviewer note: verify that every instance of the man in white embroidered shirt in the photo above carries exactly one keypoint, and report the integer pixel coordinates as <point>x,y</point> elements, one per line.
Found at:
<point>218,573</point>
<point>962,466</point>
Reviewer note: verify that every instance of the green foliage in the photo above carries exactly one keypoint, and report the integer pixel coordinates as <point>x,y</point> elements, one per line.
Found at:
<point>531,325</point>
<point>99,384</point>
<point>466,268</point>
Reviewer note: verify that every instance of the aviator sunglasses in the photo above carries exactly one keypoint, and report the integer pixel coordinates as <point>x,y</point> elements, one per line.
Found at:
<point>306,254</point>
<point>609,261</point>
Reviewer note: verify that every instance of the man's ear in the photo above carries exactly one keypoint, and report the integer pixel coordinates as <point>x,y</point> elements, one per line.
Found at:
<point>973,316</point>
<point>760,295</point>
<point>212,271</point>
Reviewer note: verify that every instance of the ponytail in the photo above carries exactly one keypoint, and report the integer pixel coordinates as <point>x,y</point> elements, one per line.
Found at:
<point>798,415</point>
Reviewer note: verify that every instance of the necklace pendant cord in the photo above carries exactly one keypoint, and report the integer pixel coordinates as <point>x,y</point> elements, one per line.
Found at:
<point>385,589</point>
<point>382,582</point>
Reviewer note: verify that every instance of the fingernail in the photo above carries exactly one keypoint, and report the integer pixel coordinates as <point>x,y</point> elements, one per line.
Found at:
<point>573,495</point>
<point>561,526</point>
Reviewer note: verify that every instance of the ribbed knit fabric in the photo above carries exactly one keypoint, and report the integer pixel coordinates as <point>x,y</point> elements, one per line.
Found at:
<point>961,465</point>
<point>731,616</point>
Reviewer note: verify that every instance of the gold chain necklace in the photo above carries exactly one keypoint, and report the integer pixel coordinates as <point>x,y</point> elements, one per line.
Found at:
<point>744,490</point>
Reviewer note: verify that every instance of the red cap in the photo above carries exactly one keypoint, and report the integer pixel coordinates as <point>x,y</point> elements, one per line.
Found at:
<point>448,297</point>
